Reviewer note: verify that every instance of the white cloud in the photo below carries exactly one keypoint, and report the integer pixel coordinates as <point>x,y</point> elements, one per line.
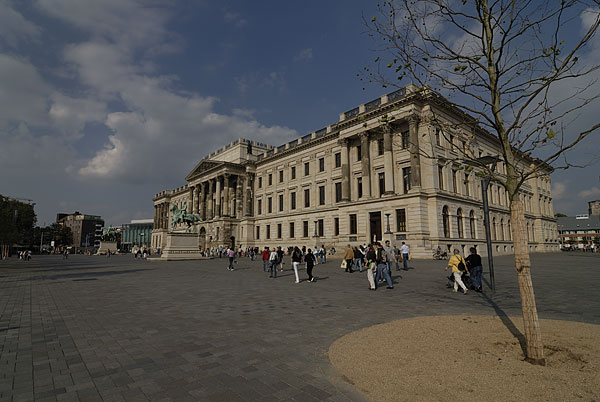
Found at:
<point>14,28</point>
<point>24,94</point>
<point>592,192</point>
<point>559,190</point>
<point>235,19</point>
<point>304,55</point>
<point>70,114</point>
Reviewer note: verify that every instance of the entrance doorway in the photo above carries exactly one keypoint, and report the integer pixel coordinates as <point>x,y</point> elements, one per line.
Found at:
<point>375,226</point>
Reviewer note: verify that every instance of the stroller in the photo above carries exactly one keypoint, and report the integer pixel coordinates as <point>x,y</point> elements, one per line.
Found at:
<point>464,277</point>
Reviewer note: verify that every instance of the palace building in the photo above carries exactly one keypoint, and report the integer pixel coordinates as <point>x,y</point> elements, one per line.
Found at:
<point>388,169</point>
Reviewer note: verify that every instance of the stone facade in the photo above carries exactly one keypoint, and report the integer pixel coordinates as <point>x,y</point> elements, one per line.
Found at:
<point>387,169</point>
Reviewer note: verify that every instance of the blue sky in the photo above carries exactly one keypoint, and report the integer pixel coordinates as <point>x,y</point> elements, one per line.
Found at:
<point>105,103</point>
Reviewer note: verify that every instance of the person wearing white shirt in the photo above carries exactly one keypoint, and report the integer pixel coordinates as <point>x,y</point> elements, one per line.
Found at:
<point>404,250</point>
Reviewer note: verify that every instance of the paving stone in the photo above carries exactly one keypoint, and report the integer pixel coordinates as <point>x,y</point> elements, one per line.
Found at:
<point>190,330</point>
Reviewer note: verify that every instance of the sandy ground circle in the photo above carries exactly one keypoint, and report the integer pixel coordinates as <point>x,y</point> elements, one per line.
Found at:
<point>469,358</point>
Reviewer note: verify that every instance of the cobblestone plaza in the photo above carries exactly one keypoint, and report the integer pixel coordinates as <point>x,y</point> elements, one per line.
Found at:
<point>124,329</point>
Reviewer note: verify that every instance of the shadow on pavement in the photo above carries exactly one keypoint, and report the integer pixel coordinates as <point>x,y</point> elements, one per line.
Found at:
<point>83,275</point>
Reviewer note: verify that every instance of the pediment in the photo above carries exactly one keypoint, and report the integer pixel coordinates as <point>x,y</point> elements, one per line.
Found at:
<point>203,166</point>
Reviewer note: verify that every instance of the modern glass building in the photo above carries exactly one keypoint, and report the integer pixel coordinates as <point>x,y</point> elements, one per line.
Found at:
<point>137,233</point>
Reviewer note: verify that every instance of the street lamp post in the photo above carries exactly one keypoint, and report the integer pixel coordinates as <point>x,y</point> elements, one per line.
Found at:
<point>487,160</point>
<point>387,230</point>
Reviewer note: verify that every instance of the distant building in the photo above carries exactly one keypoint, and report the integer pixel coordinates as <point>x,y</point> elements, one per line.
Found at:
<point>137,233</point>
<point>579,232</point>
<point>594,207</point>
<point>86,229</point>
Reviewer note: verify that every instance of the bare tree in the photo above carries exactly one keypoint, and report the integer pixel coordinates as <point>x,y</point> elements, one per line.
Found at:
<point>516,69</point>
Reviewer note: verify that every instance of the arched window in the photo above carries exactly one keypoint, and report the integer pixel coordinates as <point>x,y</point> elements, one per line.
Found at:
<point>494,231</point>
<point>446,221</point>
<point>472,223</point>
<point>501,229</point>
<point>459,223</point>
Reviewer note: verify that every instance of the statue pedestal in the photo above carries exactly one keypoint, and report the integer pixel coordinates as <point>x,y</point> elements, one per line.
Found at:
<point>105,246</point>
<point>180,246</point>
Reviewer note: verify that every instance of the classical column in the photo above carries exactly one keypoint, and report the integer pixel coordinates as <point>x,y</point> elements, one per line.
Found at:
<point>345,143</point>
<point>195,200</point>
<point>201,204</point>
<point>217,212</point>
<point>190,201</point>
<point>415,159</point>
<point>388,159</point>
<point>162,215</point>
<point>209,200</point>
<point>154,222</point>
<point>239,197</point>
<point>249,182</point>
<point>365,164</point>
<point>226,195</point>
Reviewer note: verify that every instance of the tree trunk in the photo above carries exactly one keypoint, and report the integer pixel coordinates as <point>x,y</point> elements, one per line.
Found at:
<point>531,324</point>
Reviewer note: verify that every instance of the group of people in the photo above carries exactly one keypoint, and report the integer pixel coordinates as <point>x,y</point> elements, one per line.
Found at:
<point>273,260</point>
<point>377,260</point>
<point>470,266</point>
<point>25,255</point>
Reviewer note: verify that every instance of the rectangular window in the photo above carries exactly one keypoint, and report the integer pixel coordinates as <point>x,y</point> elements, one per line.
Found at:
<point>293,173</point>
<point>321,164</point>
<point>270,179</point>
<point>454,182</point>
<point>406,179</point>
<point>321,227</point>
<point>466,183</point>
<point>438,133</point>
<point>307,198</point>
<point>359,187</point>
<point>321,195</point>
<point>353,224</point>
<point>293,200</point>
<point>358,152</point>
<point>270,204</point>
<point>336,226</point>
<point>258,233</point>
<point>338,160</point>
<point>380,147</point>
<point>281,176</point>
<point>279,230</point>
<point>441,177</point>
<point>401,220</point>
<point>451,142</point>
<point>259,207</point>
<point>381,177</point>
<point>260,182</point>
<point>306,168</point>
<point>292,230</point>
<point>268,231</point>
<point>338,192</point>
<point>280,202</point>
<point>404,137</point>
<point>305,229</point>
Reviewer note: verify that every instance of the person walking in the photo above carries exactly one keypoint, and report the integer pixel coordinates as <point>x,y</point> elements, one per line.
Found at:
<point>382,266</point>
<point>280,258</point>
<point>310,263</point>
<point>231,256</point>
<point>324,251</point>
<point>404,250</point>
<point>358,259</point>
<point>349,257</point>
<point>273,263</point>
<point>390,253</point>
<point>296,261</point>
<point>474,265</point>
<point>371,265</point>
<point>458,265</point>
<point>265,258</point>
